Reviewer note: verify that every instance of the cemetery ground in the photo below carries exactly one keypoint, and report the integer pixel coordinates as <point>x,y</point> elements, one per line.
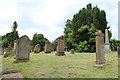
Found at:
<point>78,65</point>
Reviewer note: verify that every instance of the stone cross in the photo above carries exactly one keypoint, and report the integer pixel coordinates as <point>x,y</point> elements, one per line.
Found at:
<point>107,44</point>
<point>60,46</point>
<point>100,55</point>
<point>47,48</point>
<point>23,49</point>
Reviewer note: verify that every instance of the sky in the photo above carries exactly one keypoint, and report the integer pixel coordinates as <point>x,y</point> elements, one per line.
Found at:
<point>48,17</point>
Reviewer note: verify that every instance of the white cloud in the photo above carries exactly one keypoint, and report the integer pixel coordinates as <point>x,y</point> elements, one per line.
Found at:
<point>8,11</point>
<point>4,29</point>
<point>51,15</point>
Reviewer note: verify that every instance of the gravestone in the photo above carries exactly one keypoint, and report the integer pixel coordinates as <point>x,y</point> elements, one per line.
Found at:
<point>32,48</point>
<point>15,44</point>
<point>118,52</point>
<point>23,49</point>
<point>37,48</point>
<point>9,49</point>
<point>107,44</point>
<point>100,55</point>
<point>72,51</point>
<point>0,51</point>
<point>47,48</point>
<point>60,46</point>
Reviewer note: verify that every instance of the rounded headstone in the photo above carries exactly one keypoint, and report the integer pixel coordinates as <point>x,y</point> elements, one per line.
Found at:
<point>47,48</point>
<point>72,51</point>
<point>23,48</point>
<point>37,48</point>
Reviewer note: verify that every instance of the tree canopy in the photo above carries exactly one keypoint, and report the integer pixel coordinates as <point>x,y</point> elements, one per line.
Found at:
<point>39,39</point>
<point>79,32</point>
<point>9,38</point>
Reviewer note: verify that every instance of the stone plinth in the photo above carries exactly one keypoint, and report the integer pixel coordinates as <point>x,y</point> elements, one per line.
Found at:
<point>47,48</point>
<point>100,55</point>
<point>37,48</point>
<point>60,46</point>
<point>107,44</point>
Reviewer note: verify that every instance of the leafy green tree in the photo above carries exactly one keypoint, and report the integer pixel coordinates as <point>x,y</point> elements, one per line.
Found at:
<point>9,38</point>
<point>39,39</point>
<point>14,27</point>
<point>54,45</point>
<point>68,35</point>
<point>82,28</point>
<point>115,43</point>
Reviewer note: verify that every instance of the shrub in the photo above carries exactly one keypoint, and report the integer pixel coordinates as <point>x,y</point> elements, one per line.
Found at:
<point>83,47</point>
<point>8,54</point>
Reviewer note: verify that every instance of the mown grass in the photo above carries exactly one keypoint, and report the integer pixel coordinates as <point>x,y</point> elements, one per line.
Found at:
<point>78,65</point>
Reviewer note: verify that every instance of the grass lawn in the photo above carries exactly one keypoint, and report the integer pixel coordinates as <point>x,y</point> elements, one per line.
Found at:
<point>78,65</point>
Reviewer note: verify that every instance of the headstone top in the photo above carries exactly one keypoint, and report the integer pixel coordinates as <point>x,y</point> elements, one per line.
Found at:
<point>99,34</point>
<point>47,42</point>
<point>37,45</point>
<point>61,37</point>
<point>24,36</point>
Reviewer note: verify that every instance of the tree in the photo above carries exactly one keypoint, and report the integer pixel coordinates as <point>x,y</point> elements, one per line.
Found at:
<point>114,43</point>
<point>39,39</point>
<point>14,27</point>
<point>81,29</point>
<point>68,35</point>
<point>9,38</point>
<point>54,45</point>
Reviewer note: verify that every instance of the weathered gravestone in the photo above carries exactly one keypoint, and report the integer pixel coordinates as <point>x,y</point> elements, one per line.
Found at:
<point>47,48</point>
<point>23,49</point>
<point>118,52</point>
<point>37,48</point>
<point>100,55</point>
<point>15,45</point>
<point>9,49</point>
<point>60,46</point>
<point>113,47</point>
<point>107,44</point>
<point>72,51</point>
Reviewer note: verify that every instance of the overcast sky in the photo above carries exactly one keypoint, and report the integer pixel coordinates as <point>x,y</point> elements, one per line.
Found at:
<point>49,16</point>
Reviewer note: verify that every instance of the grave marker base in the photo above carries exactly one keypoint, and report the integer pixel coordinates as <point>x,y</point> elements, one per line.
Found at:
<point>25,60</point>
<point>99,65</point>
<point>60,54</point>
<point>47,52</point>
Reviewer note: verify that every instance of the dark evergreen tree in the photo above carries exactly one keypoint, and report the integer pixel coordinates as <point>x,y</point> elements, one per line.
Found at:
<point>81,29</point>
<point>9,38</point>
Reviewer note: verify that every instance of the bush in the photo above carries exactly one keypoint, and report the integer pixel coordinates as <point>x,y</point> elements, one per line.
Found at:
<point>8,54</point>
<point>83,47</point>
<point>114,43</point>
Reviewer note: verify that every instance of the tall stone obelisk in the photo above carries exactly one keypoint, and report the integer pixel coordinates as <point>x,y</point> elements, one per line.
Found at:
<point>107,44</point>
